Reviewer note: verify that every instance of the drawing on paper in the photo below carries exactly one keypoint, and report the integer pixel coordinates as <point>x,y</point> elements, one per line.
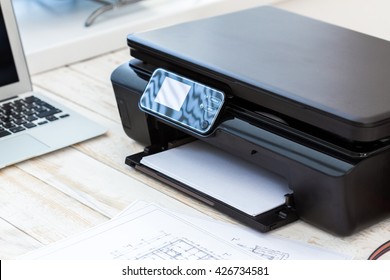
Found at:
<point>262,252</point>
<point>164,246</point>
<point>179,249</point>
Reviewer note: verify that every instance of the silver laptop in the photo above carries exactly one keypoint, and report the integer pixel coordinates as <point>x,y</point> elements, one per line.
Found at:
<point>30,124</point>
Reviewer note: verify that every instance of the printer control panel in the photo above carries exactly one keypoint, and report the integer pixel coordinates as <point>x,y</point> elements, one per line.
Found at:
<point>185,102</point>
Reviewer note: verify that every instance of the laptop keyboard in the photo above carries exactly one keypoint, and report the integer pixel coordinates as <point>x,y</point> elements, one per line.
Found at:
<point>26,113</point>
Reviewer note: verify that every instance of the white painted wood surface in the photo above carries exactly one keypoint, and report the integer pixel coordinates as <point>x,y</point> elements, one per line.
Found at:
<point>66,192</point>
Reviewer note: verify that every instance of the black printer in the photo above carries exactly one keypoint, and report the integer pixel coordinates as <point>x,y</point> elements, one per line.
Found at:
<point>304,99</point>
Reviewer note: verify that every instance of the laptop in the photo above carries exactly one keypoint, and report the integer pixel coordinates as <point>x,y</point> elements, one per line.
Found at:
<point>30,123</point>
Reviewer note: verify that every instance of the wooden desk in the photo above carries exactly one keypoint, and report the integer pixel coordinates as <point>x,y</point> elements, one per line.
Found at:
<point>46,199</point>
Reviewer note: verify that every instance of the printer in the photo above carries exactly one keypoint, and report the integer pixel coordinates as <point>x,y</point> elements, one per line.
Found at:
<point>301,98</point>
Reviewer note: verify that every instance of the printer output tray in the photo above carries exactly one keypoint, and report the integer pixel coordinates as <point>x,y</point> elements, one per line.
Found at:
<point>274,218</point>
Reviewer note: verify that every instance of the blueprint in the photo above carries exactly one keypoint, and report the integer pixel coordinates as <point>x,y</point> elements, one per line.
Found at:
<point>149,232</point>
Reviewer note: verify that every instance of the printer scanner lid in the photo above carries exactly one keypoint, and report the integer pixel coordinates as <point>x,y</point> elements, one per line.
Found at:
<point>323,75</point>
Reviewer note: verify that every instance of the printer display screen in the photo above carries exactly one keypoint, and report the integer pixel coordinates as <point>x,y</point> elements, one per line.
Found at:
<point>182,101</point>
<point>172,93</point>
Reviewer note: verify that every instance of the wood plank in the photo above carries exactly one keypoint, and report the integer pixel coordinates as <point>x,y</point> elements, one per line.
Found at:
<point>40,210</point>
<point>14,242</point>
<point>100,68</point>
<point>124,53</point>
<point>94,184</point>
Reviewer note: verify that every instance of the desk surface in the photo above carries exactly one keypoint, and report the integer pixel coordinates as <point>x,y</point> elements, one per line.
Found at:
<point>46,199</point>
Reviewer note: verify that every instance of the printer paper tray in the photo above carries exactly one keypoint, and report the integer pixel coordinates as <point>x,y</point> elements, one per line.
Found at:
<point>273,217</point>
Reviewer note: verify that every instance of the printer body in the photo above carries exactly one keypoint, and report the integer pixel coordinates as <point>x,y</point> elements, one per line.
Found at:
<point>297,103</point>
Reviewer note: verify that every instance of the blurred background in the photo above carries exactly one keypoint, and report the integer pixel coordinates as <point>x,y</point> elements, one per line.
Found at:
<point>59,32</point>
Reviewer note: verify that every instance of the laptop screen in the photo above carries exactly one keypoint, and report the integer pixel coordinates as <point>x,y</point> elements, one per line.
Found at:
<point>8,74</point>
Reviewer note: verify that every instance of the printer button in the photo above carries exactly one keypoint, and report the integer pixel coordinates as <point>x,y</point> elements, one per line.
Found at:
<point>210,109</point>
<point>204,124</point>
<point>216,101</point>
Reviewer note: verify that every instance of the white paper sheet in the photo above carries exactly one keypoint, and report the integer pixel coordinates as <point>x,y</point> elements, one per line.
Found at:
<point>148,232</point>
<point>221,175</point>
<point>259,245</point>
